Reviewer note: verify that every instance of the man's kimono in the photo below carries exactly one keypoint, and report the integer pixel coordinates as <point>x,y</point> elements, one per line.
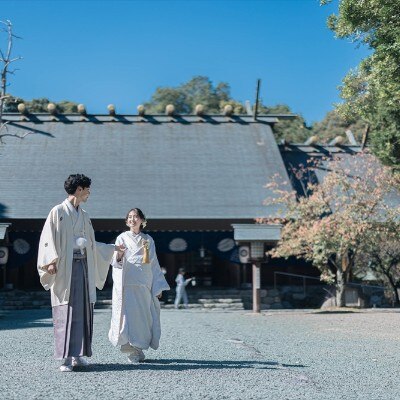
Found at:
<point>79,271</point>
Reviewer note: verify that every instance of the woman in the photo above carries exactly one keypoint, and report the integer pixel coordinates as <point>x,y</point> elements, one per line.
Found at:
<point>138,284</point>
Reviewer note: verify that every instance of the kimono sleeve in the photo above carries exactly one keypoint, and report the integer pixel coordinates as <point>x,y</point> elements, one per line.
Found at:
<point>104,254</point>
<point>159,283</point>
<point>48,249</point>
<point>114,262</point>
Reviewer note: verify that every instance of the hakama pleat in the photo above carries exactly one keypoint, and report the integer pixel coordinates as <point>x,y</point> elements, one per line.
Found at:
<point>73,322</point>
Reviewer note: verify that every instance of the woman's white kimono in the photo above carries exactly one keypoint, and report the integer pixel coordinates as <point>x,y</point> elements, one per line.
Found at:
<point>135,306</point>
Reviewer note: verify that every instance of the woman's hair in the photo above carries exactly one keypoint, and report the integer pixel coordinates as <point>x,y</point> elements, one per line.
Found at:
<point>74,181</point>
<point>140,214</point>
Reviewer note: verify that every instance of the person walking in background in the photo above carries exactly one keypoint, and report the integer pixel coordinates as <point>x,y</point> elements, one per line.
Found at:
<point>181,284</point>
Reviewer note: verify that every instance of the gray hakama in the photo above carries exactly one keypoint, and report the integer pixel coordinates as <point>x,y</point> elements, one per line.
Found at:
<point>73,322</point>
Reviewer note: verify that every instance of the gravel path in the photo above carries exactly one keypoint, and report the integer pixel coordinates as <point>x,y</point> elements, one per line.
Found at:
<point>215,355</point>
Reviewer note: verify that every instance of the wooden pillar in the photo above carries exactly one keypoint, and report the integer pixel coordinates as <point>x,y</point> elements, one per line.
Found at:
<point>256,287</point>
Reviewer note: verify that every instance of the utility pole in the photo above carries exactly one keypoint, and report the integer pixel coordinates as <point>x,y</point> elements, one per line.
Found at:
<point>257,99</point>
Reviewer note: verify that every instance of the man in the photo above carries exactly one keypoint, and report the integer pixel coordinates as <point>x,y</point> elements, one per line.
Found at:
<point>72,264</point>
<point>181,284</point>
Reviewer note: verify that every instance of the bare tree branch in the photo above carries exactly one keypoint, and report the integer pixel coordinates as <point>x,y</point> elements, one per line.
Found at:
<point>5,61</point>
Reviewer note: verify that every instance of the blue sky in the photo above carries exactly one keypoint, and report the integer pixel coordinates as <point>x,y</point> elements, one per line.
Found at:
<point>102,52</point>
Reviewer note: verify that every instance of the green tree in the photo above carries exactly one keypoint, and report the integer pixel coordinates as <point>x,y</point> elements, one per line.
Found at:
<point>372,90</point>
<point>381,255</point>
<point>291,130</point>
<point>334,125</point>
<point>185,97</point>
<point>200,90</point>
<point>40,105</point>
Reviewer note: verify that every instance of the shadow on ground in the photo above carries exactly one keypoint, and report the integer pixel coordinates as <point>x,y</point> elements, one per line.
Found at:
<point>23,319</point>
<point>183,365</point>
<point>335,312</point>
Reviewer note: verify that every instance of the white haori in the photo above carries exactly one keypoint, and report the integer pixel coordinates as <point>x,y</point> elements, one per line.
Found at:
<point>135,306</point>
<point>63,226</point>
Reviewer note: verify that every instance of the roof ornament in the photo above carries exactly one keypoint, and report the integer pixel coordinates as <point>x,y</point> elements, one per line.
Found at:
<point>111,109</point>
<point>22,109</point>
<point>228,110</point>
<point>81,109</point>
<point>339,140</point>
<point>312,140</point>
<point>170,110</point>
<point>351,137</point>
<point>52,109</point>
<point>199,110</point>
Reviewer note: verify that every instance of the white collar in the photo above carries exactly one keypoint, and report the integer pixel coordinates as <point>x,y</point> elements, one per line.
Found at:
<point>134,235</point>
<point>71,207</point>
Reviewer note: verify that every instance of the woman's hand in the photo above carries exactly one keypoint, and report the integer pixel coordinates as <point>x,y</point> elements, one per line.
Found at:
<point>52,269</point>
<point>120,249</point>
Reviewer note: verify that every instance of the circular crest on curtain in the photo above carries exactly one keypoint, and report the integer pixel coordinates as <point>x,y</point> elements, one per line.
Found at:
<point>226,245</point>
<point>21,246</point>
<point>178,244</point>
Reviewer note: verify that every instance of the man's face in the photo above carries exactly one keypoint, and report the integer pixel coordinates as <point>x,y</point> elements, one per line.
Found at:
<point>82,194</point>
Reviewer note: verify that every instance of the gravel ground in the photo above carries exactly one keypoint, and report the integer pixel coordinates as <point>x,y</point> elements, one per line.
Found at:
<point>214,355</point>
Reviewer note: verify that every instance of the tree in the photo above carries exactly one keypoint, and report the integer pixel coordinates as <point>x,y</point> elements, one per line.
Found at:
<point>291,130</point>
<point>329,226</point>
<point>185,97</point>
<point>381,255</point>
<point>372,90</point>
<point>6,60</point>
<point>334,125</point>
<point>200,90</point>
<point>40,105</point>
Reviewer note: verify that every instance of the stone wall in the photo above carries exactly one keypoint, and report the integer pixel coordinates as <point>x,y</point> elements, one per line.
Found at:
<point>289,297</point>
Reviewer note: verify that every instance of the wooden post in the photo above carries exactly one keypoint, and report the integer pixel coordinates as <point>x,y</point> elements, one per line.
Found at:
<point>256,287</point>
<point>4,275</point>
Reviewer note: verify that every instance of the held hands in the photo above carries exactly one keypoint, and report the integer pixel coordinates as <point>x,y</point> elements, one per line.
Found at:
<point>120,249</point>
<point>52,269</point>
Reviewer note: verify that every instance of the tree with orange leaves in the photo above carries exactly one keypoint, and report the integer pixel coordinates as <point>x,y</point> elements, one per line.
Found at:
<point>331,224</point>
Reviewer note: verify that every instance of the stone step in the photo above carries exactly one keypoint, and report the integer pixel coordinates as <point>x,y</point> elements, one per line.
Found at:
<point>225,301</point>
<point>103,302</point>
<point>224,305</point>
<point>171,306</point>
<point>217,296</point>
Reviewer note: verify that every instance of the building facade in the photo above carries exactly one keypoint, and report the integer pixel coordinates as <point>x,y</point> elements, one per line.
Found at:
<point>193,176</point>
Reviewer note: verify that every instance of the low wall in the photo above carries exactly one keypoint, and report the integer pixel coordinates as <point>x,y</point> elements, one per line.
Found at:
<point>317,296</point>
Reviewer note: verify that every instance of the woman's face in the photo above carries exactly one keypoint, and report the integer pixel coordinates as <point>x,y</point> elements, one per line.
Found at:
<point>133,220</point>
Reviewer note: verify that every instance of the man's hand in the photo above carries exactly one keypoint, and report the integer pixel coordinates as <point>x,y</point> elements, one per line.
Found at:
<point>120,249</point>
<point>159,296</point>
<point>52,269</point>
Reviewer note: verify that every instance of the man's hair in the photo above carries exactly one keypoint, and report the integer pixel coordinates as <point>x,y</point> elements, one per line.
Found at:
<point>73,181</point>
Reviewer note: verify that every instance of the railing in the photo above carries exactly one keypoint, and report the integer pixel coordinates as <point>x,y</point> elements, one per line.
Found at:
<point>304,277</point>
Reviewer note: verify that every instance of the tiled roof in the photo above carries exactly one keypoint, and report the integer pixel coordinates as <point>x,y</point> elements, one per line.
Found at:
<point>185,167</point>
